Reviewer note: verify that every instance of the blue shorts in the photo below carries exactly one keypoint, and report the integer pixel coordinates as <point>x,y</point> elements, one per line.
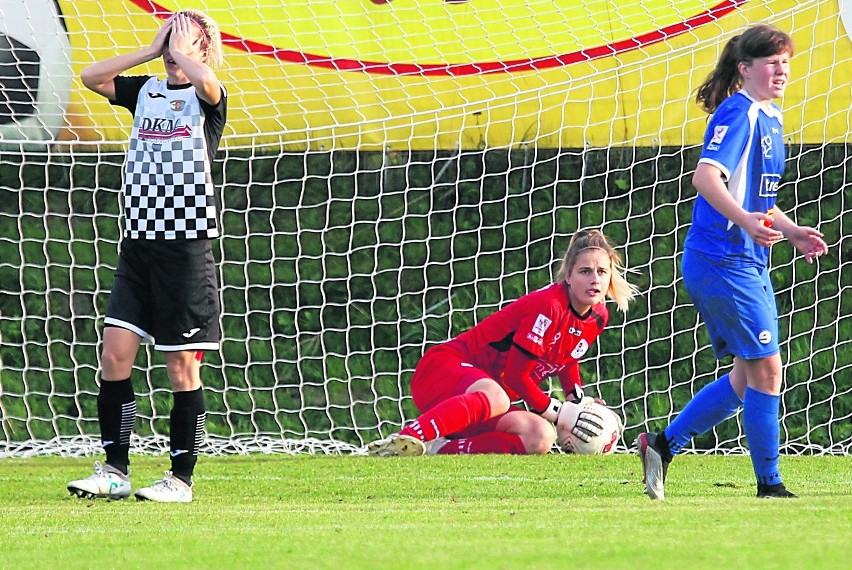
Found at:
<point>736,302</point>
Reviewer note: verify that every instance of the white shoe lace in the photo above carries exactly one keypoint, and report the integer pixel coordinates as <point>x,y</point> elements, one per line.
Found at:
<point>100,471</point>
<point>103,471</point>
<point>167,483</point>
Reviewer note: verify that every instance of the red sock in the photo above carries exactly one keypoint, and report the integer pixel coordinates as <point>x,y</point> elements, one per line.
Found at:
<point>450,416</point>
<point>491,442</point>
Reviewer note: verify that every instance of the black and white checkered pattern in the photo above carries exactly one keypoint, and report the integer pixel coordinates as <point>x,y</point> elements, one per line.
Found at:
<point>168,188</point>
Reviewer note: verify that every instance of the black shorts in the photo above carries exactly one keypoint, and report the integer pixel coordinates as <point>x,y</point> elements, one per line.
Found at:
<point>167,292</point>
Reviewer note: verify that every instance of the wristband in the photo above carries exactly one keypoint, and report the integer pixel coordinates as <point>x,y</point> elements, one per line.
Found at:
<point>551,412</point>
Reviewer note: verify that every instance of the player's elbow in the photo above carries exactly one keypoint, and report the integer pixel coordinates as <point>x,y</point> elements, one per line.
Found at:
<point>89,79</point>
<point>94,82</point>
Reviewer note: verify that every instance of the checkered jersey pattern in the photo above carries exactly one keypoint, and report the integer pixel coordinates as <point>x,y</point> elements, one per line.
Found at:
<point>168,188</point>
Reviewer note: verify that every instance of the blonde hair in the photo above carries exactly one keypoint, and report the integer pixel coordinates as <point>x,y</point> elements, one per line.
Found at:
<point>619,290</point>
<point>212,36</point>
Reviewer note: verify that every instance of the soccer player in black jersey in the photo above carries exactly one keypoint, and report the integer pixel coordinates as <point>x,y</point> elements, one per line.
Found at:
<point>166,288</point>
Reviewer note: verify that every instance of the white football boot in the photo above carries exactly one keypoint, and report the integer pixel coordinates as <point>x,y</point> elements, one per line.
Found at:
<point>169,489</point>
<point>106,483</point>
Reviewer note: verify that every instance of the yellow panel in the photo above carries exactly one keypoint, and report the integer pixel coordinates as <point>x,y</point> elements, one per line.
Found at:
<point>627,93</point>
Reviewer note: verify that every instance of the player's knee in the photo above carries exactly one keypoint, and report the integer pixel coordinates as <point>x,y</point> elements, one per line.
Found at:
<point>766,375</point>
<point>772,384</point>
<point>539,438</point>
<point>115,365</point>
<point>499,402</point>
<point>183,372</point>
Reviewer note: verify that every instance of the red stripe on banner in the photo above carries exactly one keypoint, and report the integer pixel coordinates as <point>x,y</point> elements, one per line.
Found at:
<point>512,66</point>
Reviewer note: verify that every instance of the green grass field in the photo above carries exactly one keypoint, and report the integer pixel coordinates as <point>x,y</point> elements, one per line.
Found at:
<point>487,512</point>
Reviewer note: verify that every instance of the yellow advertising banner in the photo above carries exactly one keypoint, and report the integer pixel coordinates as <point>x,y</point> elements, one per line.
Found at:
<point>425,74</point>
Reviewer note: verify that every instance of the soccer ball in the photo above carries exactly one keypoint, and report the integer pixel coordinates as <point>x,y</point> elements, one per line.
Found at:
<point>35,71</point>
<point>603,444</point>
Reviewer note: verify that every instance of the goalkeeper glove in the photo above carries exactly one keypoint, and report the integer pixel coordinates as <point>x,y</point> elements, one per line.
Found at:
<point>579,418</point>
<point>551,412</point>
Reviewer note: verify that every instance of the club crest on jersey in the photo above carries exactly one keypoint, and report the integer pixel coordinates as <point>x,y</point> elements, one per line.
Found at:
<point>718,134</point>
<point>769,185</point>
<point>580,349</point>
<point>541,325</point>
<point>177,105</point>
<point>766,146</point>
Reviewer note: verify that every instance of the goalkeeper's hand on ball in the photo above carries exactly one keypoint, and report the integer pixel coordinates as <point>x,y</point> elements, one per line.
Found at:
<point>584,422</point>
<point>575,416</point>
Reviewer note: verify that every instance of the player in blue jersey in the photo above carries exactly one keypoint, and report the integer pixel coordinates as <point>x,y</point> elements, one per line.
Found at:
<point>166,285</point>
<point>734,223</point>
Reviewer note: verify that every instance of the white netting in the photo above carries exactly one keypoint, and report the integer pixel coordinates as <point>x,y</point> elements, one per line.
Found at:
<point>373,211</point>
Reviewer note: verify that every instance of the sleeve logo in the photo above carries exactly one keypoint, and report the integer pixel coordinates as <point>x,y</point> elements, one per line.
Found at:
<point>718,134</point>
<point>541,325</point>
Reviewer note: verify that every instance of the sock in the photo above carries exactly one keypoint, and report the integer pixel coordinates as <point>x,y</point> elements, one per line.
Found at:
<point>713,404</point>
<point>450,416</point>
<point>116,415</point>
<point>491,442</point>
<point>187,432</point>
<point>762,430</point>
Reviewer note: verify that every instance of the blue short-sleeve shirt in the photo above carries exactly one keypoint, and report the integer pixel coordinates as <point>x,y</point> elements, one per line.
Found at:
<point>744,141</point>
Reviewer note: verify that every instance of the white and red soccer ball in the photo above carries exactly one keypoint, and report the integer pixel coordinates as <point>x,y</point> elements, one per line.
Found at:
<point>603,444</point>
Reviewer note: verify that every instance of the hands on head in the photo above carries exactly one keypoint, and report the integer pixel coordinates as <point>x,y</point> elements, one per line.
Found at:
<point>178,34</point>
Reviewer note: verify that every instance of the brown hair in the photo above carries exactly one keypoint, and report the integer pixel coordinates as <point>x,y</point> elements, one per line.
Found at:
<point>619,290</point>
<point>759,40</point>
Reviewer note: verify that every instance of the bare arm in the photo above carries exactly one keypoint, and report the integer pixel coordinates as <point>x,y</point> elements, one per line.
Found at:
<point>807,240</point>
<point>710,184</point>
<point>99,76</point>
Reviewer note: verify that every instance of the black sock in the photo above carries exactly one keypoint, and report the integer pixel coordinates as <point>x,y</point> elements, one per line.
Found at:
<point>187,432</point>
<point>116,414</point>
<point>662,445</point>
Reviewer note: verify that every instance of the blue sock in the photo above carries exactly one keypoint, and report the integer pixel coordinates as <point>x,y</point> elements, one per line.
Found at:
<point>762,430</point>
<point>713,404</point>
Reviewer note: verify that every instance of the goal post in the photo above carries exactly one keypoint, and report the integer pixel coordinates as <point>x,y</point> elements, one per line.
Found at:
<point>396,185</point>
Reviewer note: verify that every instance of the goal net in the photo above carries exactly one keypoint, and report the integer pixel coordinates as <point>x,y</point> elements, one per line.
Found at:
<point>392,173</point>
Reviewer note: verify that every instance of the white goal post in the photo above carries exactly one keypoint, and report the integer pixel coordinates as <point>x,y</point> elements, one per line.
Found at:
<point>391,174</point>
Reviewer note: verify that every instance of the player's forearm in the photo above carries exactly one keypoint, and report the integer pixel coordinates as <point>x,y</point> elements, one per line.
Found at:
<point>517,376</point>
<point>782,223</point>
<point>202,77</point>
<point>570,378</point>
<point>98,74</point>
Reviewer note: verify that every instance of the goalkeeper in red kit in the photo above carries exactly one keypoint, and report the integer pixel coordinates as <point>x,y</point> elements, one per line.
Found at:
<point>465,387</point>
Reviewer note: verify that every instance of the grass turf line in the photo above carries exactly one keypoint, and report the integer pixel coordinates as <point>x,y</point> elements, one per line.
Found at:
<point>487,512</point>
